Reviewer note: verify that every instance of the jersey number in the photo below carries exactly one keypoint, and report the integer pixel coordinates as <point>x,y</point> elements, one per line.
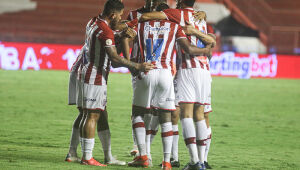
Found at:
<point>153,53</point>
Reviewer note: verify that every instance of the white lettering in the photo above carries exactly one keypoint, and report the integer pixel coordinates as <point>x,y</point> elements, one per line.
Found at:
<point>30,60</point>
<point>9,58</point>
<point>71,56</point>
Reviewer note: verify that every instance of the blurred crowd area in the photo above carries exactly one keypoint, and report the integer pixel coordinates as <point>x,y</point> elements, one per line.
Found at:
<point>243,26</point>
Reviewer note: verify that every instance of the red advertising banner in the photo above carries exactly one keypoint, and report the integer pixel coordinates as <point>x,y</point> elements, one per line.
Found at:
<point>15,56</point>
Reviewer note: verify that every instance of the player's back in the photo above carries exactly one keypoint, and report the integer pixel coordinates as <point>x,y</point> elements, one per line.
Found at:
<point>157,42</point>
<point>136,14</point>
<point>182,16</point>
<point>96,63</point>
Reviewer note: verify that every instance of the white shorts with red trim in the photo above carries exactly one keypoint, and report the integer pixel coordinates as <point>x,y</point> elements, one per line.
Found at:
<point>154,89</point>
<point>72,89</point>
<point>194,86</point>
<point>207,109</point>
<point>92,97</point>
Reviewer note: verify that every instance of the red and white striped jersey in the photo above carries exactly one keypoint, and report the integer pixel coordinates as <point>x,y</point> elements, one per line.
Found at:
<point>96,63</point>
<point>77,63</point>
<point>135,14</point>
<point>157,42</point>
<point>181,16</point>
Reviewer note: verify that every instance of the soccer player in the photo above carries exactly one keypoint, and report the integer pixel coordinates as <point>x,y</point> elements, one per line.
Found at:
<point>193,82</point>
<point>205,60</point>
<point>207,110</point>
<point>150,117</point>
<point>155,89</point>
<point>74,141</point>
<point>100,53</point>
<point>102,124</point>
<point>135,14</point>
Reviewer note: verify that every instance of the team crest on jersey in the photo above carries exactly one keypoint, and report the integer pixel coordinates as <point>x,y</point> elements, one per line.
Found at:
<point>108,42</point>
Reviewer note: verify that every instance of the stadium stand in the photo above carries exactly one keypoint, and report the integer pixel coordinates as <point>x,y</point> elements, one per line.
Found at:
<point>277,22</point>
<point>16,5</point>
<point>53,21</point>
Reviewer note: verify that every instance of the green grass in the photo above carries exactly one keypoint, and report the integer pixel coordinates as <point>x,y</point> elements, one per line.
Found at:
<point>255,122</point>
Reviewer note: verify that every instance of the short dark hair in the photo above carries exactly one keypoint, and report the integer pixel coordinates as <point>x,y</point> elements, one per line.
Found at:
<point>112,6</point>
<point>162,6</point>
<point>189,3</point>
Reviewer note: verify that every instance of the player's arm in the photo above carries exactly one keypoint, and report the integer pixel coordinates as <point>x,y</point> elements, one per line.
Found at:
<point>173,15</point>
<point>191,49</point>
<point>152,16</point>
<point>206,38</point>
<point>125,48</point>
<point>122,62</point>
<point>127,36</point>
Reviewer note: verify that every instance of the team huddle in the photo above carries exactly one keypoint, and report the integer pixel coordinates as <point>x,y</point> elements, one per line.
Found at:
<point>169,63</point>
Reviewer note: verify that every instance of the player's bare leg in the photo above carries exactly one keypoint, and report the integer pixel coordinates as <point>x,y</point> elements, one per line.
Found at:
<point>88,137</point>
<point>74,141</point>
<point>201,131</point>
<point>208,141</point>
<point>189,132</point>
<point>167,137</point>
<point>174,118</point>
<point>138,126</point>
<point>104,136</point>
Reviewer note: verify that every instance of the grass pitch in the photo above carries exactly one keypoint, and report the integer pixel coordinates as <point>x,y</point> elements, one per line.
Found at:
<point>255,122</point>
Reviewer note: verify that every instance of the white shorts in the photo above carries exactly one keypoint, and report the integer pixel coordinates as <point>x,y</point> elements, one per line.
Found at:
<point>72,89</point>
<point>154,89</point>
<point>91,97</point>
<point>194,86</point>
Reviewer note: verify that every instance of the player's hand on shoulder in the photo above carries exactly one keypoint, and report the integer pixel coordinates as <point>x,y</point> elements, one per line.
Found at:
<point>199,15</point>
<point>129,33</point>
<point>188,28</point>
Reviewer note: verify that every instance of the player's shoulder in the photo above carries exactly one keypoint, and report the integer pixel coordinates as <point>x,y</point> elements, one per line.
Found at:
<point>103,25</point>
<point>103,28</point>
<point>172,23</point>
<point>171,10</point>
